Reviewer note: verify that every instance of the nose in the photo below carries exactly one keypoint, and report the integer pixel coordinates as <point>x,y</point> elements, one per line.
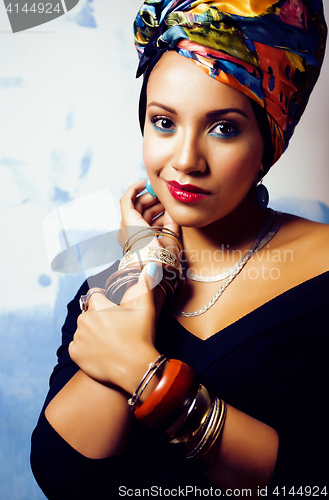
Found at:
<point>188,154</point>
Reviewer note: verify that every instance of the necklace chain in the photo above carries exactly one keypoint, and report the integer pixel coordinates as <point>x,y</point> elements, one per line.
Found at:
<point>265,235</point>
<point>211,279</point>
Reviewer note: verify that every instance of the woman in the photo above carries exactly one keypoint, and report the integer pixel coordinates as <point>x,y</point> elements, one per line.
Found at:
<point>255,419</point>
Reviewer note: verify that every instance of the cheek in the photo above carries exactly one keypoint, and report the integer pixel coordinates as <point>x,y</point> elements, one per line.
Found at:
<point>154,156</point>
<point>236,169</point>
<point>148,155</point>
<point>247,160</point>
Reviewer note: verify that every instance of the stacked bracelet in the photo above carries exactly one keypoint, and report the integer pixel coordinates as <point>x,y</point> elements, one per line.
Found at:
<point>209,431</point>
<point>155,254</point>
<point>152,369</point>
<point>183,408</point>
<point>168,394</point>
<point>134,259</point>
<point>191,421</point>
<point>118,282</point>
<point>151,232</point>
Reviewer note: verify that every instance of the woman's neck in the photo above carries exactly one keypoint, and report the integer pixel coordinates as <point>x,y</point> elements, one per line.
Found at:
<point>216,247</point>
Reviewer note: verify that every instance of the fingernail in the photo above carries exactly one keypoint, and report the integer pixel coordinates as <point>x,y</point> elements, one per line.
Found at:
<point>152,269</point>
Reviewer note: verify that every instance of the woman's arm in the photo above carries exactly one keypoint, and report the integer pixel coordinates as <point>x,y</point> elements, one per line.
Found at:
<point>97,407</point>
<point>92,418</point>
<point>245,454</point>
<point>111,343</point>
<point>113,346</point>
<point>83,420</point>
<point>95,420</point>
<point>247,450</point>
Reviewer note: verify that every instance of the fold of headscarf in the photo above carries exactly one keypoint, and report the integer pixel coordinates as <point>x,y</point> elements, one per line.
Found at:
<point>272,51</point>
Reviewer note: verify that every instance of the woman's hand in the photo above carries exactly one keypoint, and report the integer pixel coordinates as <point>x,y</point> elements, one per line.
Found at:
<point>139,211</point>
<point>114,344</point>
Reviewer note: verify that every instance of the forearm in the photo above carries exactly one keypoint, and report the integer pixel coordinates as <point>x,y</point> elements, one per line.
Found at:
<point>95,418</point>
<point>91,417</point>
<point>245,454</point>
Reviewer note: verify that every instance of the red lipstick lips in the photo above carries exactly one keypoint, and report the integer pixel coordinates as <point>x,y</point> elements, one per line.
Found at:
<point>186,193</point>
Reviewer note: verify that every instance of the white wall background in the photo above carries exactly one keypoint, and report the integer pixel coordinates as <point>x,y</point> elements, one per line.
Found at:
<point>69,128</point>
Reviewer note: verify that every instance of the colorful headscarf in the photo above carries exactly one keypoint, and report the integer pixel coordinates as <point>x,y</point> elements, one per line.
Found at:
<point>271,51</point>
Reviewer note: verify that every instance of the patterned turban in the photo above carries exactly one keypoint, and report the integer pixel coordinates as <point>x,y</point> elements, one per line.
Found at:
<point>271,51</point>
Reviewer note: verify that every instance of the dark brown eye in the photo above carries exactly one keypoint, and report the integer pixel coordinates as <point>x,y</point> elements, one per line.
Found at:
<point>224,130</point>
<point>163,124</point>
<point>166,123</point>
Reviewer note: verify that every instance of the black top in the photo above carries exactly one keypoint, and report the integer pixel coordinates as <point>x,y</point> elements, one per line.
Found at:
<point>271,364</point>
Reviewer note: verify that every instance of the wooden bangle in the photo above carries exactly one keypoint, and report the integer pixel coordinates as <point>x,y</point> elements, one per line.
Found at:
<point>168,394</point>
<point>173,423</point>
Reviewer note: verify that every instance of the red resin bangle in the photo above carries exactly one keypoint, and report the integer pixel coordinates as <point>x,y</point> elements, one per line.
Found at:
<point>168,394</point>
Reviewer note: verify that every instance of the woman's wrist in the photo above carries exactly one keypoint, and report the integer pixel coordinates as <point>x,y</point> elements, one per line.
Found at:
<point>181,406</point>
<point>136,367</point>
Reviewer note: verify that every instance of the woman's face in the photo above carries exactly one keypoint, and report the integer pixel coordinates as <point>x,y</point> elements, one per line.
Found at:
<point>202,145</point>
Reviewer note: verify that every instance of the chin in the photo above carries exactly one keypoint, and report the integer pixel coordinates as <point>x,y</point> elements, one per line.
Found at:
<point>186,218</point>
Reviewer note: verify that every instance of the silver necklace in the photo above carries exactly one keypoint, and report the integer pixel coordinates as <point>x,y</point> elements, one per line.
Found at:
<point>219,277</point>
<point>265,235</point>
<point>211,279</point>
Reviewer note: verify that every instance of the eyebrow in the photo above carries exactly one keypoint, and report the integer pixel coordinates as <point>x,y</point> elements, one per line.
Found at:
<point>226,111</point>
<point>216,112</point>
<point>166,108</point>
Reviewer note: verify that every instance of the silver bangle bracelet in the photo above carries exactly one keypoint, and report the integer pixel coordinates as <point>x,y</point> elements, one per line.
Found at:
<point>151,232</point>
<point>149,374</point>
<point>146,254</point>
<point>210,430</point>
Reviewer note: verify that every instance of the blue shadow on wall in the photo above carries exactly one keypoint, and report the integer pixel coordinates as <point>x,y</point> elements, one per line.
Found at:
<point>29,342</point>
